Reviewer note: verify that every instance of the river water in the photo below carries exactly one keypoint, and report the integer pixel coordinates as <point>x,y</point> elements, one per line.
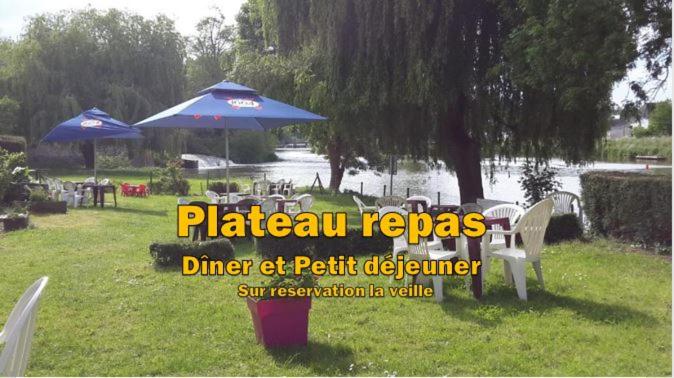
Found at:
<point>301,165</point>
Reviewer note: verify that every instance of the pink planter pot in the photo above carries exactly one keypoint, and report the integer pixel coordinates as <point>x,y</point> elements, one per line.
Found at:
<point>280,322</point>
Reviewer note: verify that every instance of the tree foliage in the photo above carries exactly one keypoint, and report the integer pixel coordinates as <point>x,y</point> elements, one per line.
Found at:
<point>461,80</point>
<point>74,60</point>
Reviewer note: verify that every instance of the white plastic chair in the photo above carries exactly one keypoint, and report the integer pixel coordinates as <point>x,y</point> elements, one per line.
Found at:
<point>400,243</point>
<point>389,201</point>
<point>512,212</point>
<point>105,181</point>
<point>421,252</point>
<point>17,334</point>
<point>182,201</point>
<point>90,180</point>
<point>71,194</point>
<point>427,200</point>
<point>213,196</point>
<point>277,197</point>
<point>288,188</point>
<point>567,203</point>
<point>362,207</point>
<point>531,227</point>
<point>305,201</point>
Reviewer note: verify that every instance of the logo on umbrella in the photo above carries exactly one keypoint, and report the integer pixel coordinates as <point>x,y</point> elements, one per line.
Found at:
<point>237,103</point>
<point>91,123</point>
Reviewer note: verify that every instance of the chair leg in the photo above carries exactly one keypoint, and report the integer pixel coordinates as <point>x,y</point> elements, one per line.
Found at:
<point>539,273</point>
<point>437,288</point>
<point>520,277</point>
<point>390,280</point>
<point>507,273</point>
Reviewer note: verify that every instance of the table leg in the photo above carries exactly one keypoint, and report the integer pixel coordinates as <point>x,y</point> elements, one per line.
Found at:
<point>475,255</point>
<point>95,193</point>
<point>114,195</point>
<point>102,191</point>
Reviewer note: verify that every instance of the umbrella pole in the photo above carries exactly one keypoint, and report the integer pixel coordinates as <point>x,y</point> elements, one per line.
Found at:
<point>227,158</point>
<point>95,176</point>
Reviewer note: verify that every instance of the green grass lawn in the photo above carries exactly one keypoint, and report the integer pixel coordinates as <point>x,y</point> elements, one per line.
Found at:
<point>606,310</point>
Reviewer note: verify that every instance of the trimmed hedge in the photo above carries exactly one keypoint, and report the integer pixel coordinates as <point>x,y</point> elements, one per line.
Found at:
<point>353,244</point>
<point>171,254</point>
<point>563,227</point>
<point>13,143</point>
<point>47,207</point>
<point>630,206</point>
<point>221,187</point>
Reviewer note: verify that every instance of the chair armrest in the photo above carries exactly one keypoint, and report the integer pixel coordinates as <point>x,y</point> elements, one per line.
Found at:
<point>500,232</point>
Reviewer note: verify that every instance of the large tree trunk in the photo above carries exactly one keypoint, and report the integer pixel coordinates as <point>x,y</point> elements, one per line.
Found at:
<point>462,153</point>
<point>467,163</point>
<point>336,164</point>
<point>87,150</point>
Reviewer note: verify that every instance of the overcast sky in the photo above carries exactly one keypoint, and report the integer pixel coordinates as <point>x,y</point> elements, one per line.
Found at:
<point>186,14</point>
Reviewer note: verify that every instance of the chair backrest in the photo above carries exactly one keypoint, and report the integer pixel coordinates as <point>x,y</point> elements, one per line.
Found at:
<point>268,206</point>
<point>389,201</point>
<point>105,181</point>
<point>419,208</point>
<point>182,201</point>
<point>400,241</point>
<point>532,226</point>
<point>361,205</point>
<point>419,251</point>
<point>471,207</point>
<point>277,197</point>
<point>215,197</point>
<point>565,203</point>
<point>510,211</point>
<point>246,203</point>
<point>17,333</point>
<point>305,201</point>
<point>69,185</point>
<point>90,180</point>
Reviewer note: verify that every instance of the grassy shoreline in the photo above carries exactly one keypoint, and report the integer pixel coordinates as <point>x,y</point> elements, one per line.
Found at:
<point>629,148</point>
<point>108,311</point>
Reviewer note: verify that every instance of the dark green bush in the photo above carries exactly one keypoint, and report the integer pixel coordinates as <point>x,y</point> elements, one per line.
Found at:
<point>563,227</point>
<point>171,254</point>
<point>221,187</point>
<point>13,143</point>
<point>635,207</point>
<point>353,244</point>
<point>170,180</point>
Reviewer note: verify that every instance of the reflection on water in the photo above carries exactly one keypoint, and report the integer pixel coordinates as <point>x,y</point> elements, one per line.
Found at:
<point>301,166</point>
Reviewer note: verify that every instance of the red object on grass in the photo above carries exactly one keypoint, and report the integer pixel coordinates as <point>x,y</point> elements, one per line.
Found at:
<point>126,189</point>
<point>280,322</point>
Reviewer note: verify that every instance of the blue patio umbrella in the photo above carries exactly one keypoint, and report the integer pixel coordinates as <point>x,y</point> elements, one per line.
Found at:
<point>92,124</point>
<point>228,105</point>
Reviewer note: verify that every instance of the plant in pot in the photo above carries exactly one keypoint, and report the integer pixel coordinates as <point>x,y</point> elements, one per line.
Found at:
<point>13,219</point>
<point>282,321</point>
<point>40,202</point>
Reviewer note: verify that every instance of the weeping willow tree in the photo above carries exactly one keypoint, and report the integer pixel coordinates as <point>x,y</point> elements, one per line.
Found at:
<point>465,80</point>
<point>69,61</point>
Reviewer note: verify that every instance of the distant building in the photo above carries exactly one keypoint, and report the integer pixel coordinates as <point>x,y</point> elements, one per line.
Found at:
<point>619,128</point>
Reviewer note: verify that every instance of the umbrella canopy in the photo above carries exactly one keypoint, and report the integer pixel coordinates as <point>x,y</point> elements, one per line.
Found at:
<point>90,125</point>
<point>228,105</point>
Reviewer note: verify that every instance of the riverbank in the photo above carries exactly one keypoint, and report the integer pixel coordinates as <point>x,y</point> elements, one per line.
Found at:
<point>629,148</point>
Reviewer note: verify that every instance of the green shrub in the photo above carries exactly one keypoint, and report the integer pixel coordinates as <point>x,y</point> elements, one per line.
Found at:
<point>221,187</point>
<point>537,181</point>
<point>9,175</point>
<point>38,195</point>
<point>170,180</point>
<point>563,227</point>
<point>630,206</point>
<point>353,244</point>
<point>12,143</point>
<point>171,254</point>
